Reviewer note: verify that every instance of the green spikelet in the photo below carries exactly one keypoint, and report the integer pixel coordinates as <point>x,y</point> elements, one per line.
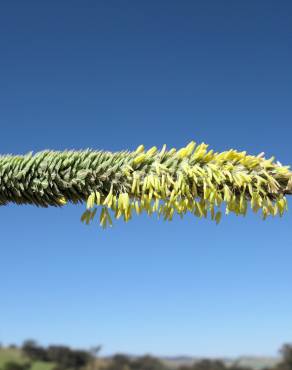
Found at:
<point>189,180</point>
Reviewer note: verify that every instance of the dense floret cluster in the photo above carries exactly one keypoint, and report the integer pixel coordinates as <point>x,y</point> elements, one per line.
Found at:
<point>190,180</point>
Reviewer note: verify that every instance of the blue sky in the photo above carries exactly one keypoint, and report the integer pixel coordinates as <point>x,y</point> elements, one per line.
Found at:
<point>112,75</point>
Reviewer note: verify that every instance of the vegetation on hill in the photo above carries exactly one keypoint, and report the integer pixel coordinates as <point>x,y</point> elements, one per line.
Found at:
<point>32,356</point>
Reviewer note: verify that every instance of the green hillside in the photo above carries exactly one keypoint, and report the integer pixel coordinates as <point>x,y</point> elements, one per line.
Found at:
<point>15,355</point>
<point>7,355</point>
<point>38,365</point>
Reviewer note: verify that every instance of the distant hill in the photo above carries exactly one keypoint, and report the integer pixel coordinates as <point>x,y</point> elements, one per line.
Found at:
<point>254,362</point>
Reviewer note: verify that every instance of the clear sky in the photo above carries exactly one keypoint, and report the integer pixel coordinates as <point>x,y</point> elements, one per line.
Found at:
<point>112,75</point>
